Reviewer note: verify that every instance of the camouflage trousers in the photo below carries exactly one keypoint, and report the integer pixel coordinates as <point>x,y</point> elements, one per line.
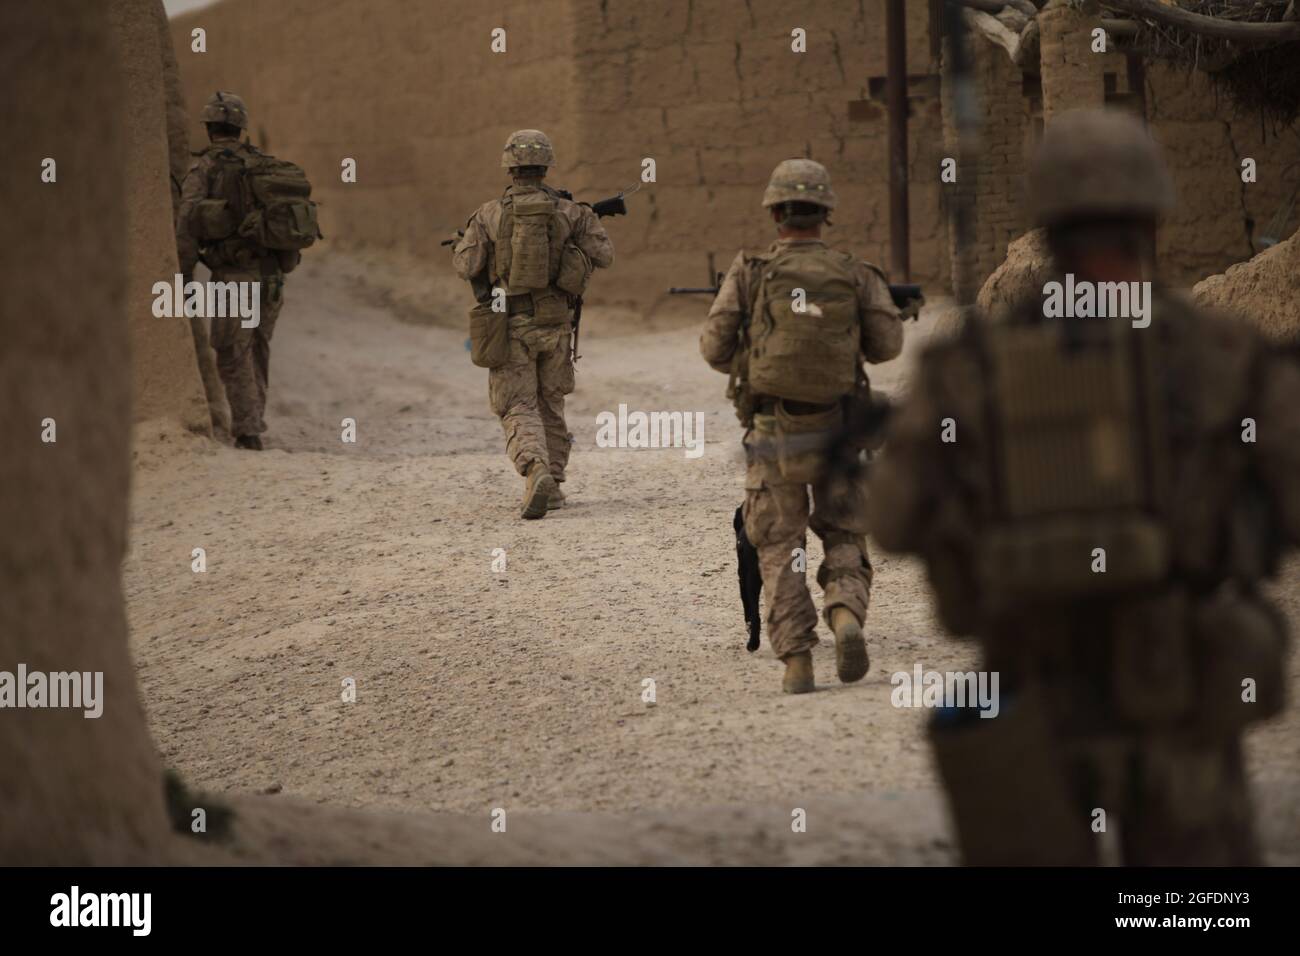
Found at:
<point>777,517</point>
<point>1037,798</point>
<point>244,355</point>
<point>527,394</point>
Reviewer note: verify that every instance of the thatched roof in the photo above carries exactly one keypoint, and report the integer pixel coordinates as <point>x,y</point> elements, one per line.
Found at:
<point>1249,48</point>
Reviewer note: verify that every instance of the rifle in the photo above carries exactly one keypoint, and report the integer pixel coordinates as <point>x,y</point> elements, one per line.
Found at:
<point>906,297</point>
<point>751,578</point>
<point>613,206</point>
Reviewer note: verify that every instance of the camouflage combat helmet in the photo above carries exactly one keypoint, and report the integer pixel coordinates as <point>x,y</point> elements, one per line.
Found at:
<point>528,147</point>
<point>799,180</point>
<point>1096,164</point>
<point>224,107</point>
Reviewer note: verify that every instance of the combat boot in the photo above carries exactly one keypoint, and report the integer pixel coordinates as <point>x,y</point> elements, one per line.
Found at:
<point>538,488</point>
<point>557,498</point>
<point>251,442</point>
<point>799,674</point>
<point>850,647</point>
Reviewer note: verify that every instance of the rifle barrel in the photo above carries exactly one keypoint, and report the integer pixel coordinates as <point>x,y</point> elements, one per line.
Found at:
<point>690,290</point>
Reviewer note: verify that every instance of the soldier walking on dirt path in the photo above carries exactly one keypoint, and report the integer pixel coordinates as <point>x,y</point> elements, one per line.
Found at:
<point>246,216</point>
<point>792,327</point>
<point>528,257</point>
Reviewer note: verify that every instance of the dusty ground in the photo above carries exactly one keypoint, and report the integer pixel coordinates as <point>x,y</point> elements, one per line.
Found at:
<point>521,690</point>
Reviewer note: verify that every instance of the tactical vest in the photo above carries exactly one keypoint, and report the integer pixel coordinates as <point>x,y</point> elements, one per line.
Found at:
<point>531,257</point>
<point>1077,473</point>
<point>803,332</point>
<point>1098,507</point>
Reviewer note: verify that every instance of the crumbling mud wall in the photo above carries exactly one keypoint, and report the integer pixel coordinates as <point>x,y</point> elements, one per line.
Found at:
<point>1027,268</point>
<point>991,181</point>
<point>166,374</point>
<point>1219,218</point>
<point>710,90</point>
<point>73,790</point>
<point>178,161</point>
<point>713,92</point>
<point>411,91</point>
<point>1265,291</point>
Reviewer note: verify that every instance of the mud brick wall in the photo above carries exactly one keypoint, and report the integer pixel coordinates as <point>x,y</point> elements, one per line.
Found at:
<point>165,371</point>
<point>710,90</point>
<point>1219,219</point>
<point>991,181</point>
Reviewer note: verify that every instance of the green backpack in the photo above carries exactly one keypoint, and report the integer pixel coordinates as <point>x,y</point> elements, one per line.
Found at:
<point>804,329</point>
<point>268,201</point>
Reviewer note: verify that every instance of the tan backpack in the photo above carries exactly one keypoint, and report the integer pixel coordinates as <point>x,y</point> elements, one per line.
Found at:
<point>804,328</point>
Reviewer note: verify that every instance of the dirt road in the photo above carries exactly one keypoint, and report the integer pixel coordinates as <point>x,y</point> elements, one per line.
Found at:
<point>520,690</point>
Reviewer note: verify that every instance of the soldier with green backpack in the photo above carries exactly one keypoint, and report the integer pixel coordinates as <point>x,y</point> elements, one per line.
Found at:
<point>246,215</point>
<point>792,327</point>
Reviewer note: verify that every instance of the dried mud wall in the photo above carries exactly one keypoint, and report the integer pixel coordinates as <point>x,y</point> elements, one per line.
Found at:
<point>1265,291</point>
<point>1219,219</point>
<point>166,381</point>
<point>709,89</point>
<point>73,790</point>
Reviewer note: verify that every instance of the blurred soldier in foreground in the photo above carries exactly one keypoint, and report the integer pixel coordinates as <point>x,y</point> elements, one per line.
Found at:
<point>1097,501</point>
<point>246,215</point>
<point>528,257</point>
<point>792,326</point>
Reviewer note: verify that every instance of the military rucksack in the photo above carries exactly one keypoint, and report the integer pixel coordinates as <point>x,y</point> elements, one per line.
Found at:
<point>257,198</point>
<point>804,332</point>
<point>1076,465</point>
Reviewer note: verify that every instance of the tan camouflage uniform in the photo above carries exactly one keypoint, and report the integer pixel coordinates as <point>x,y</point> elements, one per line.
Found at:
<point>243,354</point>
<point>527,393</point>
<point>777,514</point>
<point>1128,701</point>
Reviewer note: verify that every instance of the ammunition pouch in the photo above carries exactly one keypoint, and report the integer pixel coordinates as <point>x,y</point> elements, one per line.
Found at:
<point>801,440</point>
<point>550,307</point>
<point>489,336</point>
<point>1238,638</point>
<point>212,220</point>
<point>575,270</point>
<point>1007,785</point>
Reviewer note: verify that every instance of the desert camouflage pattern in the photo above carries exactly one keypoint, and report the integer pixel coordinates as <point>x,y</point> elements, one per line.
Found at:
<point>800,180</point>
<point>243,355</point>
<point>527,393</point>
<point>527,147</point>
<point>1070,737</point>
<point>225,107</point>
<point>778,513</point>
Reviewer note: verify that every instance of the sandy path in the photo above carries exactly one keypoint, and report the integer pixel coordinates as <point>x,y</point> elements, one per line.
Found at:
<point>520,690</point>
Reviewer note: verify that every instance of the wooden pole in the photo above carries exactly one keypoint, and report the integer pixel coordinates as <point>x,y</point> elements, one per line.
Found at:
<point>896,83</point>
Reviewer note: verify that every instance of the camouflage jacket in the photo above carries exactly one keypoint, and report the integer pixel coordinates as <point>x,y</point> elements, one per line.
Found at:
<point>1231,506</point>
